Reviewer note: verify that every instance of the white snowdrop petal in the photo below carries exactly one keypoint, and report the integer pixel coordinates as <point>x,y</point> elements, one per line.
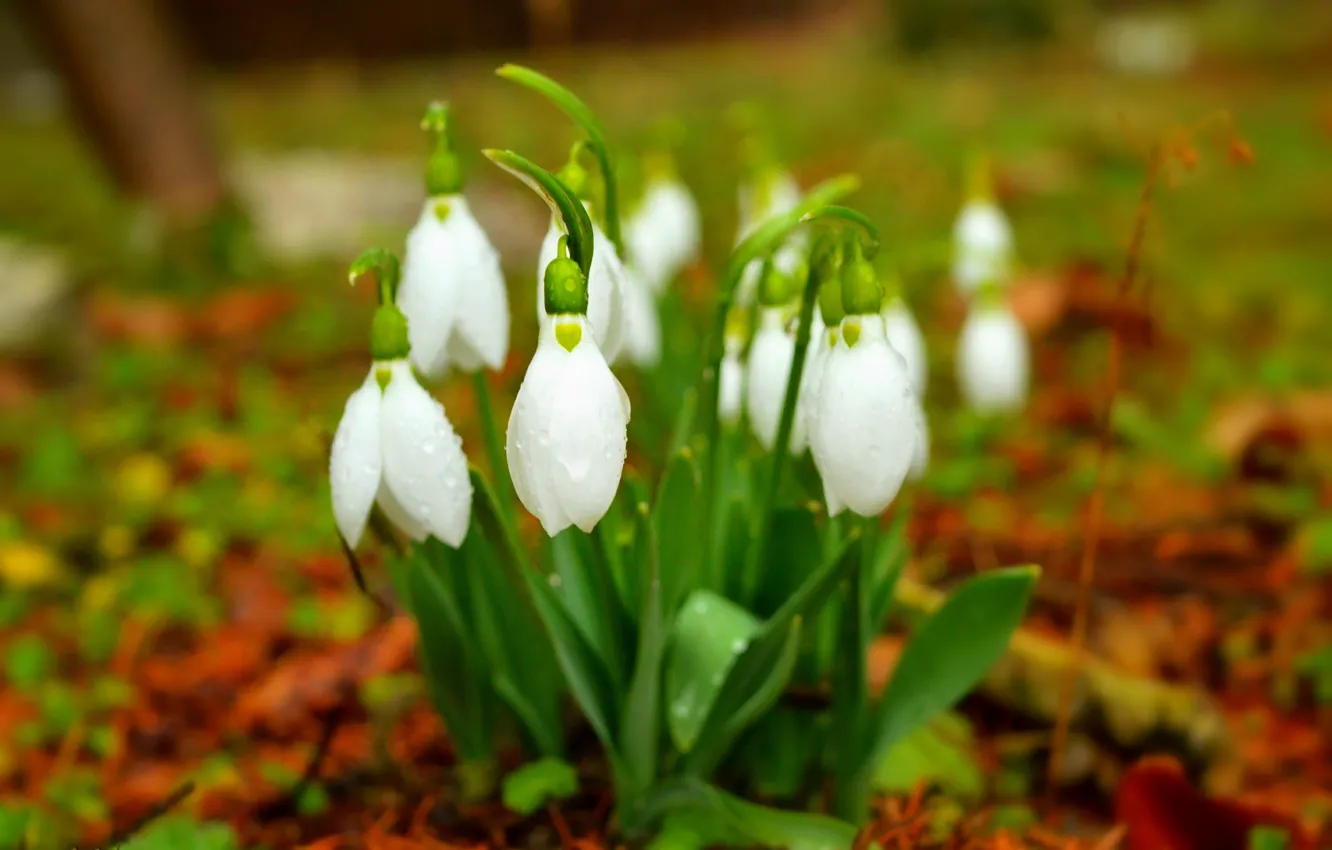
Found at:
<point>481,331</point>
<point>664,233</point>
<point>730,396</point>
<point>642,325</point>
<point>424,465</point>
<point>588,431</point>
<point>770,356</point>
<point>983,245</point>
<point>904,335</point>
<point>527,443</point>
<point>865,430</point>
<point>428,292</point>
<point>355,465</point>
<point>992,361</point>
<point>398,515</point>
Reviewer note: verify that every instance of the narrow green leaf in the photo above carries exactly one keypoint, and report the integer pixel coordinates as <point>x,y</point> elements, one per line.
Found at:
<point>890,557</point>
<point>640,732</point>
<point>710,634</point>
<point>794,550</point>
<point>454,671</point>
<point>676,524</point>
<point>949,654</point>
<point>726,820</point>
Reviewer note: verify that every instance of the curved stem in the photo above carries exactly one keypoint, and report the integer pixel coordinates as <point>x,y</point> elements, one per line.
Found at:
<point>384,265</point>
<point>567,209</point>
<point>785,425</point>
<point>569,103</point>
<point>849,216</point>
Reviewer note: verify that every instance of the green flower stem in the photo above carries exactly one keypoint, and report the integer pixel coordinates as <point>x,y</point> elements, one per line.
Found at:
<point>761,242</point>
<point>782,448</point>
<point>846,215</point>
<point>569,103</point>
<point>386,269</point>
<point>851,692</point>
<point>499,470</point>
<point>563,205</point>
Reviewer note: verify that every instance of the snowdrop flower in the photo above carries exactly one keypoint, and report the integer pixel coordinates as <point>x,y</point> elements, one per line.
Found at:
<point>569,426</point>
<point>921,460</point>
<point>607,280</point>
<point>992,356</point>
<point>771,355</point>
<point>772,192</point>
<point>664,234</point>
<point>731,386</point>
<point>394,445</point>
<point>982,238</point>
<point>453,290</point>
<point>904,335</point>
<point>866,425</point>
<point>641,342</point>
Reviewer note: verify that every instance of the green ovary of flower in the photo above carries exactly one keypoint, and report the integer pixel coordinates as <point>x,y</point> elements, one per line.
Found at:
<point>388,334</point>
<point>566,288</point>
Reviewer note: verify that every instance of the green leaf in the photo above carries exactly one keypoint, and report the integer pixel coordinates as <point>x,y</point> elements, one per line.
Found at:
<point>693,806</point>
<point>889,558</point>
<point>563,205</point>
<point>949,654</point>
<point>763,669</point>
<point>710,634</point>
<point>676,524</point>
<point>454,671</point>
<point>940,754</point>
<point>583,669</point>
<point>531,786</point>
<point>794,549</point>
<point>640,732</point>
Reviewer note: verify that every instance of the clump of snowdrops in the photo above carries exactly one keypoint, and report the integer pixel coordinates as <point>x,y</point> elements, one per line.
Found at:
<point>675,615</point>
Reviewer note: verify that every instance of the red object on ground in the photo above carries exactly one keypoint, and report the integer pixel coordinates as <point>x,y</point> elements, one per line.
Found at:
<point>1162,810</point>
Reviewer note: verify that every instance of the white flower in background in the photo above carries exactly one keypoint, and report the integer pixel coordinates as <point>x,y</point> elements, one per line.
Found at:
<point>776,192</point>
<point>731,391</point>
<point>982,238</point>
<point>453,291</point>
<point>865,431</point>
<point>770,357</point>
<point>992,357</point>
<point>396,447</point>
<point>642,324</point>
<point>568,430</point>
<point>904,335</point>
<point>664,233</point>
<point>606,288</point>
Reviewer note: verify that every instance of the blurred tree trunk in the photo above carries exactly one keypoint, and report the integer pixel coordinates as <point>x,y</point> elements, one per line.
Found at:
<point>130,87</point>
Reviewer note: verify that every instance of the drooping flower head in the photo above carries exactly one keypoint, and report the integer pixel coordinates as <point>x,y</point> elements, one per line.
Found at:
<point>664,233</point>
<point>865,426</point>
<point>607,279</point>
<point>982,238</point>
<point>453,290</point>
<point>568,431</point>
<point>731,391</point>
<point>394,445</point>
<point>904,334</point>
<point>992,355</point>
<point>771,355</point>
<point>767,189</point>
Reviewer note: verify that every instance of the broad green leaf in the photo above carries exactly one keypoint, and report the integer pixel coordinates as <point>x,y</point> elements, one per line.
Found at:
<point>692,806</point>
<point>938,753</point>
<point>454,672</point>
<point>531,786</point>
<point>762,670</point>
<point>675,521</point>
<point>640,733</point>
<point>710,634</point>
<point>949,654</point>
